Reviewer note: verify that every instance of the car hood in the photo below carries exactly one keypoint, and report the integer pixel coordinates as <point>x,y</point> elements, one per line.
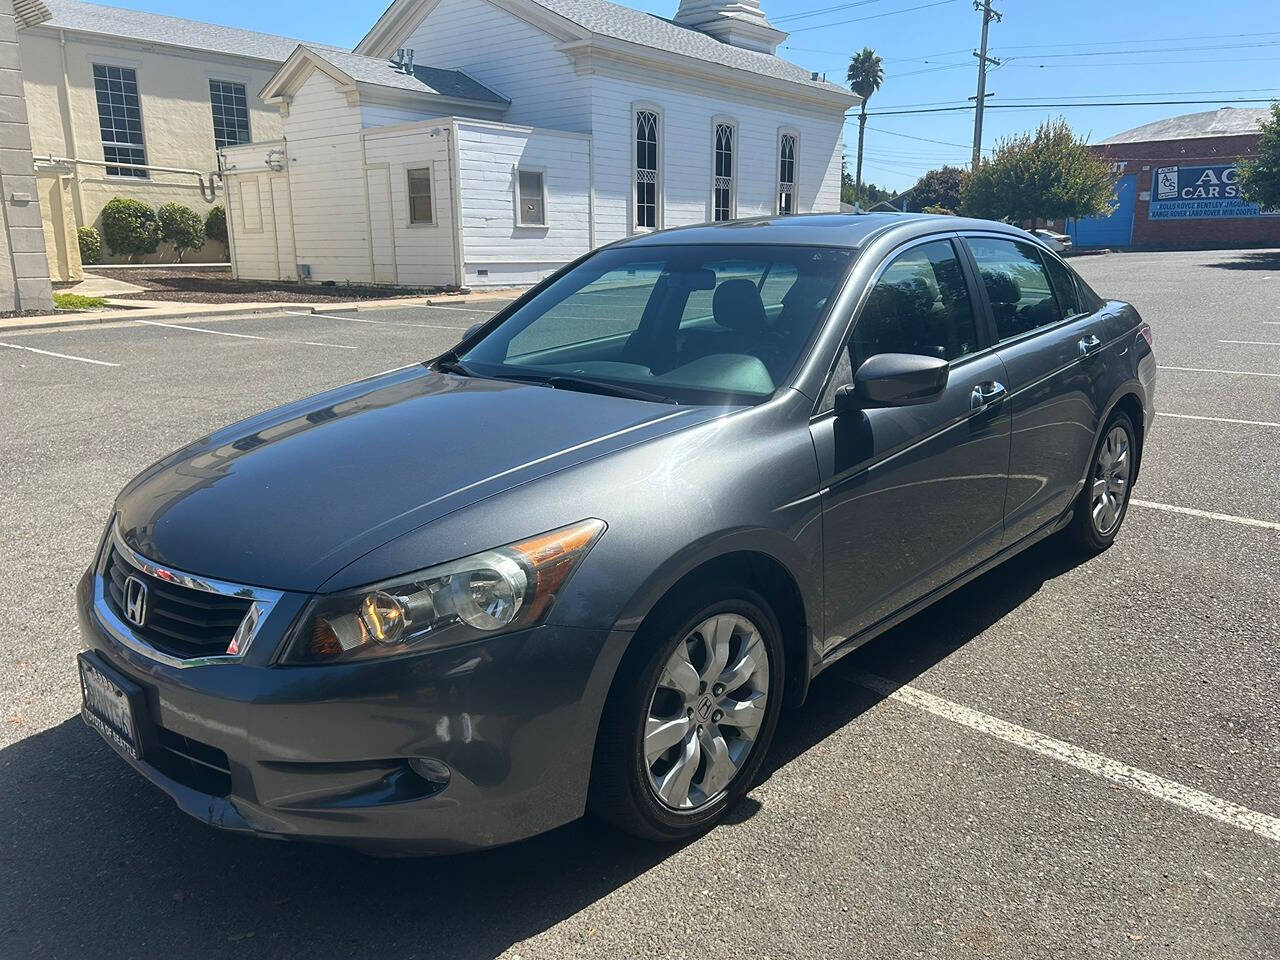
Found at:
<point>287,498</point>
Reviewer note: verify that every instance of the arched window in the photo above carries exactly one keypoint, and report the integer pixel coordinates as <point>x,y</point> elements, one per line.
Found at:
<point>722,186</point>
<point>786,173</point>
<point>646,170</point>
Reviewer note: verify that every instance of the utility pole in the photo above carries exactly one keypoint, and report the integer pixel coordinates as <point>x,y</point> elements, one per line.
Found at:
<point>988,14</point>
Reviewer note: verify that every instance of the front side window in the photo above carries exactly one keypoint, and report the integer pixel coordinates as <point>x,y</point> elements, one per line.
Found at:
<point>695,323</point>
<point>230,113</point>
<point>786,173</point>
<point>919,305</point>
<point>1017,285</point>
<point>531,198</point>
<point>420,205</point>
<point>120,119</point>
<point>722,182</point>
<point>646,171</point>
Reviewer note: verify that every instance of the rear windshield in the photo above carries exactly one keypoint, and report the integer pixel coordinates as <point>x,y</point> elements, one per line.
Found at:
<point>692,323</point>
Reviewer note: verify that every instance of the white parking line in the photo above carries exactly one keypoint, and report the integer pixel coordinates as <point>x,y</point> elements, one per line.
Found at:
<point>381,323</point>
<point>60,356</point>
<point>1255,343</point>
<point>1170,791</point>
<point>1243,373</point>
<point>1207,514</point>
<point>1192,416</point>
<point>243,336</point>
<point>459,308</point>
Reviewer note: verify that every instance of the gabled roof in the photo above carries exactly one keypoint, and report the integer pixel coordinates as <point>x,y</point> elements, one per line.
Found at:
<point>602,18</point>
<point>352,70</point>
<point>174,31</point>
<point>1223,122</point>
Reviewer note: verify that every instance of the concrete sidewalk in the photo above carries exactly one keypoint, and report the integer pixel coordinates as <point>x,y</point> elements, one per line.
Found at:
<point>122,309</point>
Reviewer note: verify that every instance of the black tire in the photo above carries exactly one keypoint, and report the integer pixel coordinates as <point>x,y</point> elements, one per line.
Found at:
<point>621,793</point>
<point>1083,531</point>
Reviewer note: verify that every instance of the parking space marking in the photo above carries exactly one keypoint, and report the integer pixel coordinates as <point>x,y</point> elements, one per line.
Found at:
<point>1243,373</point>
<point>381,323</point>
<point>1170,791</point>
<point>1208,514</point>
<point>244,336</point>
<point>1254,343</point>
<point>60,356</point>
<point>458,308</point>
<point>1192,416</point>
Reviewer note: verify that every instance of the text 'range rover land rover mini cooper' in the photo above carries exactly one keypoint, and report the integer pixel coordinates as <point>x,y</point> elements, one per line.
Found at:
<point>581,561</point>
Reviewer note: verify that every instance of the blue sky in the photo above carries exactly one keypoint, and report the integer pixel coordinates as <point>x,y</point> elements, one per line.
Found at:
<point>1053,51</point>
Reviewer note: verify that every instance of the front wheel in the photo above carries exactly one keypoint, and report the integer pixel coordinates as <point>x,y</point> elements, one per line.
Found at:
<point>1104,501</point>
<point>684,736</point>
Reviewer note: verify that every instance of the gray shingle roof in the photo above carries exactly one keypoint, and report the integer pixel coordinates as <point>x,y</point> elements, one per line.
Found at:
<point>425,79</point>
<point>634,26</point>
<point>1225,121</point>
<point>175,31</point>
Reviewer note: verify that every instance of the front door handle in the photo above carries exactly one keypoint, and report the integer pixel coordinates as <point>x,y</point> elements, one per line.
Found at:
<point>1089,345</point>
<point>986,394</point>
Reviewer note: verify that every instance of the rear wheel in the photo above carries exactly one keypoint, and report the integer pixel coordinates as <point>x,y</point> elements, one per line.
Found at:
<point>684,735</point>
<point>1104,501</point>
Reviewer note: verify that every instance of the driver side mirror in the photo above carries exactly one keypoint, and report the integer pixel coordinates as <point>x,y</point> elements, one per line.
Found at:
<point>471,330</point>
<point>893,380</point>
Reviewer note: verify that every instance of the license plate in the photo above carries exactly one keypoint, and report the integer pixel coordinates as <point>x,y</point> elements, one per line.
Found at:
<point>111,705</point>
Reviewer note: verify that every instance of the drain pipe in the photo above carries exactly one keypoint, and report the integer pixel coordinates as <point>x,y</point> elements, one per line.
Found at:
<point>208,190</point>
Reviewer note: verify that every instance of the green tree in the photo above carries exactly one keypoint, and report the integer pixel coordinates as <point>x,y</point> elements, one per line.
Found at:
<point>215,225</point>
<point>866,73</point>
<point>1260,177</point>
<point>1047,175</point>
<point>129,227</point>
<point>871,194</point>
<point>937,188</point>
<point>182,227</point>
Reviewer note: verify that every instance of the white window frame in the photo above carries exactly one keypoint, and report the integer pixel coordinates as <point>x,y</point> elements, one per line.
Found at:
<point>248,108</point>
<point>734,144</point>
<point>430,168</point>
<point>515,196</point>
<point>108,62</point>
<point>659,180</point>
<point>795,170</point>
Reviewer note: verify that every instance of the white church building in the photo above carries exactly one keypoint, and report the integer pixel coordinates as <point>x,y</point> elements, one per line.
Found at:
<point>488,142</point>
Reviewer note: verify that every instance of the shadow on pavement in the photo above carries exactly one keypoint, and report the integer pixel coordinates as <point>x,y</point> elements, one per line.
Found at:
<point>1261,260</point>
<point>97,862</point>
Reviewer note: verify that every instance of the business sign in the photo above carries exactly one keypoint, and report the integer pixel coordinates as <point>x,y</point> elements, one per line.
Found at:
<point>1199,193</point>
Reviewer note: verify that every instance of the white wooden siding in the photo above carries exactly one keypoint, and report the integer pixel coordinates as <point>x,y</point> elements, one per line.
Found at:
<point>686,152</point>
<point>510,56</point>
<point>326,175</point>
<point>261,226</point>
<point>374,114</point>
<point>422,253</point>
<point>489,155</point>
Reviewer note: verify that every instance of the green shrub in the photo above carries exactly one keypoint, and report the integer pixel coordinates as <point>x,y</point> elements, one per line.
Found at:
<point>90,245</point>
<point>937,209</point>
<point>74,301</point>
<point>130,227</point>
<point>182,227</point>
<point>215,225</point>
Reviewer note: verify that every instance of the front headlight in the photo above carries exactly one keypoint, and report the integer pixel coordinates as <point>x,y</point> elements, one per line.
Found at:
<point>495,591</point>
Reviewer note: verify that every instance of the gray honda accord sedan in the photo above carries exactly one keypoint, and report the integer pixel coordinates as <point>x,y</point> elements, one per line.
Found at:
<point>582,560</point>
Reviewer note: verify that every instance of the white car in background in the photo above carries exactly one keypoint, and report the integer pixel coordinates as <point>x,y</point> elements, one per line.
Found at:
<point>1057,242</point>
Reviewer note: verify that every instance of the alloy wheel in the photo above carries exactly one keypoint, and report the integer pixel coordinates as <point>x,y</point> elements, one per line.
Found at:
<point>706,711</point>
<point>1111,472</point>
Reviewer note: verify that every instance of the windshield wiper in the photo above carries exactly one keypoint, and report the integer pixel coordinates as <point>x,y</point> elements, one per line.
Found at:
<point>587,385</point>
<point>449,363</point>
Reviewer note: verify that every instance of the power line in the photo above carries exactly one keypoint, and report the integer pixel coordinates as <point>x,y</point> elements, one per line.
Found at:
<point>874,16</point>
<point>1111,43</point>
<point>822,10</point>
<point>1141,63</point>
<point>895,133</point>
<point>1083,97</point>
<point>1117,53</point>
<point>1039,106</point>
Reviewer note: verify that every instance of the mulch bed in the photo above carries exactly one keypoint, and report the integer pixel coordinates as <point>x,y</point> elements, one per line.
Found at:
<point>208,286</point>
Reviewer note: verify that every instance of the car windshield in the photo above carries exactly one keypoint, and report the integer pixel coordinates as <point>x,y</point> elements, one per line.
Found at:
<point>690,323</point>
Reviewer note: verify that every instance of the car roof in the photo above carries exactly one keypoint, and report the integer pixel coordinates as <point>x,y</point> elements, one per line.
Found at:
<point>820,229</point>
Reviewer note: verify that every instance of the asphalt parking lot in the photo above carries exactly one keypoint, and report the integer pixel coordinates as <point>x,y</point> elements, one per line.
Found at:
<point>1060,760</point>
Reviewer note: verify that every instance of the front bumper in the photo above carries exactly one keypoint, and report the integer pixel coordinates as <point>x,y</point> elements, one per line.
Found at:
<point>322,752</point>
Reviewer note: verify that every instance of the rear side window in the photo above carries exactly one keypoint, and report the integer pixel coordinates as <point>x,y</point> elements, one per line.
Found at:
<point>919,305</point>
<point>1064,285</point>
<point>1019,289</point>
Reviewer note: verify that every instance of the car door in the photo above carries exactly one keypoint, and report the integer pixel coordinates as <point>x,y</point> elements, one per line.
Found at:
<point>912,496</point>
<point>1052,352</point>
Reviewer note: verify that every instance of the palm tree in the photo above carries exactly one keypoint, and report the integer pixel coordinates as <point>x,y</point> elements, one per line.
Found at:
<point>866,73</point>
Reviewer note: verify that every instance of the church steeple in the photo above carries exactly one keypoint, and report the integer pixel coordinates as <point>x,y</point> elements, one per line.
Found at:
<point>738,22</point>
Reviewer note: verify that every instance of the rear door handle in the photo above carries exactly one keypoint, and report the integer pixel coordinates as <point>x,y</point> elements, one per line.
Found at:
<point>987,393</point>
<point>1089,345</point>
